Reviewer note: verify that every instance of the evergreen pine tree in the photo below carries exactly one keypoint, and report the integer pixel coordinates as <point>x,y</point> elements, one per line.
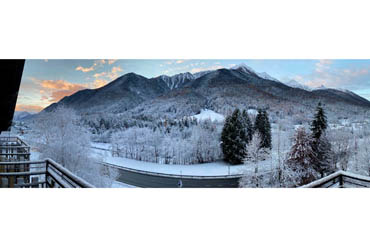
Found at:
<point>301,157</point>
<point>247,124</point>
<point>266,142</point>
<point>319,123</point>
<point>233,139</point>
<point>324,155</point>
<point>263,127</point>
<point>320,144</point>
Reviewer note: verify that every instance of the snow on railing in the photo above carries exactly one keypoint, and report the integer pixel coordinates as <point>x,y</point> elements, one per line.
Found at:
<point>17,171</point>
<point>13,149</point>
<point>340,179</point>
<point>45,173</point>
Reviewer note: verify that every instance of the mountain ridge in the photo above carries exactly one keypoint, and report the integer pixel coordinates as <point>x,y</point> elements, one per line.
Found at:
<point>188,93</point>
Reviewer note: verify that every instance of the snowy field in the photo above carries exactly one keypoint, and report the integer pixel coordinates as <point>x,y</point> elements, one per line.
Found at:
<point>218,168</point>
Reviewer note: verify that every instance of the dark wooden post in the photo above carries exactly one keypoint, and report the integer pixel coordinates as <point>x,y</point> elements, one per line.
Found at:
<point>341,181</point>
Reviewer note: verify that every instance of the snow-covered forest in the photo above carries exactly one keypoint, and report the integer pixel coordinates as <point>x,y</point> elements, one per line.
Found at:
<point>272,151</point>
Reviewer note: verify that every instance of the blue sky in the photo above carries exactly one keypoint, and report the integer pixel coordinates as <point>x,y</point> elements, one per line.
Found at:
<point>47,81</point>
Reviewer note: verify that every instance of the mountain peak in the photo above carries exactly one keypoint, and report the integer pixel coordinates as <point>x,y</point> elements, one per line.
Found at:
<point>176,80</point>
<point>245,68</point>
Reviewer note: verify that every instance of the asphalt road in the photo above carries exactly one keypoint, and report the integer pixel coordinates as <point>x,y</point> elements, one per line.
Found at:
<point>146,179</point>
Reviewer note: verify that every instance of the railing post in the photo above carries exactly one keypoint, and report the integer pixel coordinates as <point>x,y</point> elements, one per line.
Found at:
<point>46,174</point>
<point>341,181</point>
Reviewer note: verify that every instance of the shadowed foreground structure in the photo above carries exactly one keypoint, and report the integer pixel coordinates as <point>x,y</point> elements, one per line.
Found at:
<point>16,169</point>
<point>11,75</point>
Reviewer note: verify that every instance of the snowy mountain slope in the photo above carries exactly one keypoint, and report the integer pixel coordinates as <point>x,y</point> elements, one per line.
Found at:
<point>209,115</point>
<point>266,76</point>
<point>201,73</point>
<point>124,93</point>
<point>295,84</point>
<point>244,68</point>
<point>177,80</point>
<point>334,95</point>
<point>22,115</point>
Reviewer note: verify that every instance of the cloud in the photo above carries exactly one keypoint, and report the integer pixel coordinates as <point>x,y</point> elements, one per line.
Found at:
<point>352,78</point>
<point>85,69</point>
<point>114,72</point>
<point>215,67</point>
<point>116,69</point>
<point>101,79</point>
<point>112,61</point>
<point>323,65</point>
<point>54,90</point>
<point>29,108</point>
<point>97,63</point>
<point>60,85</point>
<point>97,75</point>
<point>99,83</point>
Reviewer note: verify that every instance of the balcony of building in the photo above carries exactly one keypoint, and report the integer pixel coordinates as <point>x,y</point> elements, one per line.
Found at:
<point>341,179</point>
<point>17,171</point>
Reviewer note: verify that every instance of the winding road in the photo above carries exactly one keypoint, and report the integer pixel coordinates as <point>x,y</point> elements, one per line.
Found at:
<point>147,179</point>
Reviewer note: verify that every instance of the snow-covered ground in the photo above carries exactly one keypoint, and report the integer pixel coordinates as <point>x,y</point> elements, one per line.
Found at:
<point>218,168</point>
<point>117,184</point>
<point>209,115</point>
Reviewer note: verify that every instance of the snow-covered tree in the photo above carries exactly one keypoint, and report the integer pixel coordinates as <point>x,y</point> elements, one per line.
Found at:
<point>302,157</point>
<point>184,142</point>
<point>263,126</point>
<point>340,147</point>
<point>254,150</point>
<point>319,123</point>
<point>364,157</point>
<point>324,155</point>
<point>61,138</point>
<point>320,143</point>
<point>255,154</point>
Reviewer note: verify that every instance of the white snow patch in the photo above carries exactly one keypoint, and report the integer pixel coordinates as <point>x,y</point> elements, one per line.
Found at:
<point>252,112</point>
<point>245,68</point>
<point>209,115</point>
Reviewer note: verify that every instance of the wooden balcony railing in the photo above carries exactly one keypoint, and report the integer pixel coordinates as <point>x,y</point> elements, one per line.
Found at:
<point>340,179</point>
<point>13,148</point>
<point>16,169</point>
<point>42,174</point>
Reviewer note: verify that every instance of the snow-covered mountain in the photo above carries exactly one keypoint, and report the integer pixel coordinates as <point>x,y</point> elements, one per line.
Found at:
<point>186,94</point>
<point>323,87</point>
<point>176,80</point>
<point>266,76</point>
<point>21,115</point>
<point>295,84</point>
<point>244,68</point>
<point>201,73</point>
